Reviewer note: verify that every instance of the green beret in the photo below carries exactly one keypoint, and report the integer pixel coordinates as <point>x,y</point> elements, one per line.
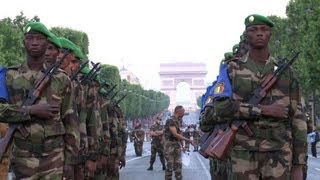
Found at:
<point>54,40</point>
<point>99,79</point>
<point>78,53</point>
<point>67,44</point>
<point>235,48</point>
<point>243,36</point>
<point>256,19</point>
<point>85,70</point>
<point>37,27</point>
<point>102,91</point>
<point>228,55</point>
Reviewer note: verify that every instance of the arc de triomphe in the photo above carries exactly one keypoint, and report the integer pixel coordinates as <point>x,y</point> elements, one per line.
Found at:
<point>171,74</point>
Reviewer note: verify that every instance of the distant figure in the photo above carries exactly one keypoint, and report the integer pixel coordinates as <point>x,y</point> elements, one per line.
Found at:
<point>196,138</point>
<point>138,138</point>
<point>313,138</point>
<point>156,133</point>
<point>187,134</point>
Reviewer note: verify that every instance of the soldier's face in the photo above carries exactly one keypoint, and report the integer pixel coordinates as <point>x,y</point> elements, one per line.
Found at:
<point>35,44</point>
<point>51,54</point>
<point>258,36</point>
<point>66,62</point>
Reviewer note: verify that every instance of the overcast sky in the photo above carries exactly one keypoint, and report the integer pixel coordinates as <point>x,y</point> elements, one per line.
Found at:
<point>141,34</point>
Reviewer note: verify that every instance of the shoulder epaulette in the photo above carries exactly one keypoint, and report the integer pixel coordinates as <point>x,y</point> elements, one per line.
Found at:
<point>15,67</point>
<point>234,58</point>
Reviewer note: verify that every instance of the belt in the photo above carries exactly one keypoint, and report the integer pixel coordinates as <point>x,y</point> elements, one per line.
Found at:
<point>39,148</point>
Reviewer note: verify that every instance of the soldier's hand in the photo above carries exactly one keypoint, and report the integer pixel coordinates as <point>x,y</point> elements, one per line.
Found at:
<point>91,167</point>
<point>275,110</point>
<point>68,172</point>
<point>297,172</point>
<point>99,163</point>
<point>47,111</point>
<point>116,165</point>
<point>104,161</point>
<point>191,142</point>
<point>122,162</point>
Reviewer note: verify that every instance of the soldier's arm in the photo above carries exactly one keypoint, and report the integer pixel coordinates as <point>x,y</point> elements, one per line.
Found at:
<point>72,136</point>
<point>299,126</point>
<point>11,113</point>
<point>227,108</point>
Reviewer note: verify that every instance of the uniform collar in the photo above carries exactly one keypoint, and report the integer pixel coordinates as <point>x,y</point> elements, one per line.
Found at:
<point>271,59</point>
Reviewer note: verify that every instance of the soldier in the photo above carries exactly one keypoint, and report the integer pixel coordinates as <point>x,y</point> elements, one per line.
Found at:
<point>138,138</point>
<point>116,148</point>
<point>278,147</point>
<point>156,133</point>
<point>71,64</point>
<point>187,134</point>
<point>41,153</point>
<point>196,138</point>
<point>173,145</point>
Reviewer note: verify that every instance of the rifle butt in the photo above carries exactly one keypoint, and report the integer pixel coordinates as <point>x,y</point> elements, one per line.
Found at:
<point>223,145</point>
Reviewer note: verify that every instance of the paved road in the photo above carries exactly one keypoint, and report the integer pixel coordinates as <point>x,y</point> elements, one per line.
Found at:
<point>136,166</point>
<point>197,169</point>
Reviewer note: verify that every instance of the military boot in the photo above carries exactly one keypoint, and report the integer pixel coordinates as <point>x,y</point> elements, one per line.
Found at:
<point>150,168</point>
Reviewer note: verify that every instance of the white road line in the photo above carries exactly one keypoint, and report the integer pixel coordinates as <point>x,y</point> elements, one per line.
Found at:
<point>203,166</point>
<point>318,169</point>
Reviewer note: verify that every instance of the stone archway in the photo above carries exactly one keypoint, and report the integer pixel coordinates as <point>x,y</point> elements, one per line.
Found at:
<point>171,74</point>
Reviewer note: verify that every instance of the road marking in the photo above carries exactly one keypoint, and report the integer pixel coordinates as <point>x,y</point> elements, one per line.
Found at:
<point>318,169</point>
<point>203,166</point>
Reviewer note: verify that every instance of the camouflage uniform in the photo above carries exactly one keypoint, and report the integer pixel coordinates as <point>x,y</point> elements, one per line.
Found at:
<point>157,145</point>
<point>41,154</point>
<point>196,138</point>
<point>138,135</point>
<point>172,150</point>
<point>122,133</point>
<point>187,134</point>
<point>4,164</point>
<point>115,144</point>
<point>278,143</point>
<point>92,124</point>
<point>80,109</point>
<point>104,146</point>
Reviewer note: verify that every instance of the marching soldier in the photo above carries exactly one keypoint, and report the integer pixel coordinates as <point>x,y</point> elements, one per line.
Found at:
<point>156,133</point>
<point>138,138</point>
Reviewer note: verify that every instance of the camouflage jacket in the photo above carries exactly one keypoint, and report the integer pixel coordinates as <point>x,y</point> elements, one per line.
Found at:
<point>105,146</point>
<point>93,120</point>
<point>138,133</point>
<point>114,126</point>
<point>20,80</point>
<point>270,133</point>
<point>168,136</point>
<point>156,139</point>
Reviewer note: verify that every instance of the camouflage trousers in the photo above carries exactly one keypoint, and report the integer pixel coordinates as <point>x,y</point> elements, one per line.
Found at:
<point>219,168</point>
<point>49,167</point>
<point>4,168</point>
<point>254,165</point>
<point>157,148</point>
<point>172,152</point>
<point>113,168</point>
<point>138,147</point>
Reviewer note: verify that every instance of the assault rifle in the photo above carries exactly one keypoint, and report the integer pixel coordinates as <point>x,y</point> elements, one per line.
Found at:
<point>119,100</point>
<point>74,75</point>
<point>223,144</point>
<point>88,77</point>
<point>33,96</point>
<point>205,141</point>
<point>216,134</point>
